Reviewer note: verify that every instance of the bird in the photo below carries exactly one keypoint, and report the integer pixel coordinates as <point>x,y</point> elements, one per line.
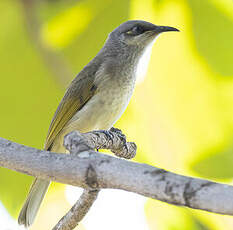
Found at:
<point>98,96</point>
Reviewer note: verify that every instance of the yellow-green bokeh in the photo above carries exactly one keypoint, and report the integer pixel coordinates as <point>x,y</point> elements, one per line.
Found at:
<point>180,116</point>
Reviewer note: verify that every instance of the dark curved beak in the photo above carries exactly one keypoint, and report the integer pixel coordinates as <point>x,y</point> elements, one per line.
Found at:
<point>160,29</point>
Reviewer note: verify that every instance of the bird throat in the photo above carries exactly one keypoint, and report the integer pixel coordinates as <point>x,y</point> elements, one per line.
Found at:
<point>143,62</point>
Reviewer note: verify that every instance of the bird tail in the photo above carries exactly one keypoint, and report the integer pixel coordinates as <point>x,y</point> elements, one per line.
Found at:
<point>33,202</point>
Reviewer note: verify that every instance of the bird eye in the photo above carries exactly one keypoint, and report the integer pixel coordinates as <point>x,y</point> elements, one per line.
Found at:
<point>136,30</point>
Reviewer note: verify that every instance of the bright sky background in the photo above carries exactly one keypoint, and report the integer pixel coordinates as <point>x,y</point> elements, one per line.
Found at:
<point>114,209</point>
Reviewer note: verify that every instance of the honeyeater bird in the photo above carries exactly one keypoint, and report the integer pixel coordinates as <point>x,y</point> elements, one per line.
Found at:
<point>98,96</point>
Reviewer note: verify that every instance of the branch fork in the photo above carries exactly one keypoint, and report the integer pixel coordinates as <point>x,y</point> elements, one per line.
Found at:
<point>83,144</point>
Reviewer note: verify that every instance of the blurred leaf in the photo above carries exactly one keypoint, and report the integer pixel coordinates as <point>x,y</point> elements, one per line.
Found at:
<point>158,3</point>
<point>63,28</point>
<point>14,187</point>
<point>108,14</point>
<point>213,33</point>
<point>164,216</point>
<point>217,165</point>
<point>158,6</point>
<point>47,10</point>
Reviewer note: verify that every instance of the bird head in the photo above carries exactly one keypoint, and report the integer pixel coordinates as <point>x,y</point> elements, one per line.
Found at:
<point>138,33</point>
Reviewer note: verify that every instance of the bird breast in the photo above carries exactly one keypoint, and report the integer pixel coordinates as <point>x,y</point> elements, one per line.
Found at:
<point>105,107</point>
<point>113,98</point>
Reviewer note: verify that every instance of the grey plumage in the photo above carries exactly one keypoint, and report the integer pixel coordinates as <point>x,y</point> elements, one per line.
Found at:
<point>97,97</point>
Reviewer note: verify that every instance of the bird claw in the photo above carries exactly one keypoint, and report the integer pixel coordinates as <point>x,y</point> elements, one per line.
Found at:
<point>119,133</point>
<point>107,134</point>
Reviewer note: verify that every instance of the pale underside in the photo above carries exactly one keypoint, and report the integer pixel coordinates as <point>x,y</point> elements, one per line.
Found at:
<point>106,105</point>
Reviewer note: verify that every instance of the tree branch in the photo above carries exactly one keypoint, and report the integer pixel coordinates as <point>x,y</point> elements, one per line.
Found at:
<point>93,171</point>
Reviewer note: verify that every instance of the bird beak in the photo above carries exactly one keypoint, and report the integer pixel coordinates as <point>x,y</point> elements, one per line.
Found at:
<point>160,29</point>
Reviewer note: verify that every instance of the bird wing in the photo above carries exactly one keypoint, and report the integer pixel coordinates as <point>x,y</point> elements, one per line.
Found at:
<point>80,91</point>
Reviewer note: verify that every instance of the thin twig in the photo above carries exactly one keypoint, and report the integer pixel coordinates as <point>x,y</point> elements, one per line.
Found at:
<point>78,211</point>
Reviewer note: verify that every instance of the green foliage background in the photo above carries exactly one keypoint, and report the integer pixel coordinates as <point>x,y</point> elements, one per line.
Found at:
<point>181,115</point>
